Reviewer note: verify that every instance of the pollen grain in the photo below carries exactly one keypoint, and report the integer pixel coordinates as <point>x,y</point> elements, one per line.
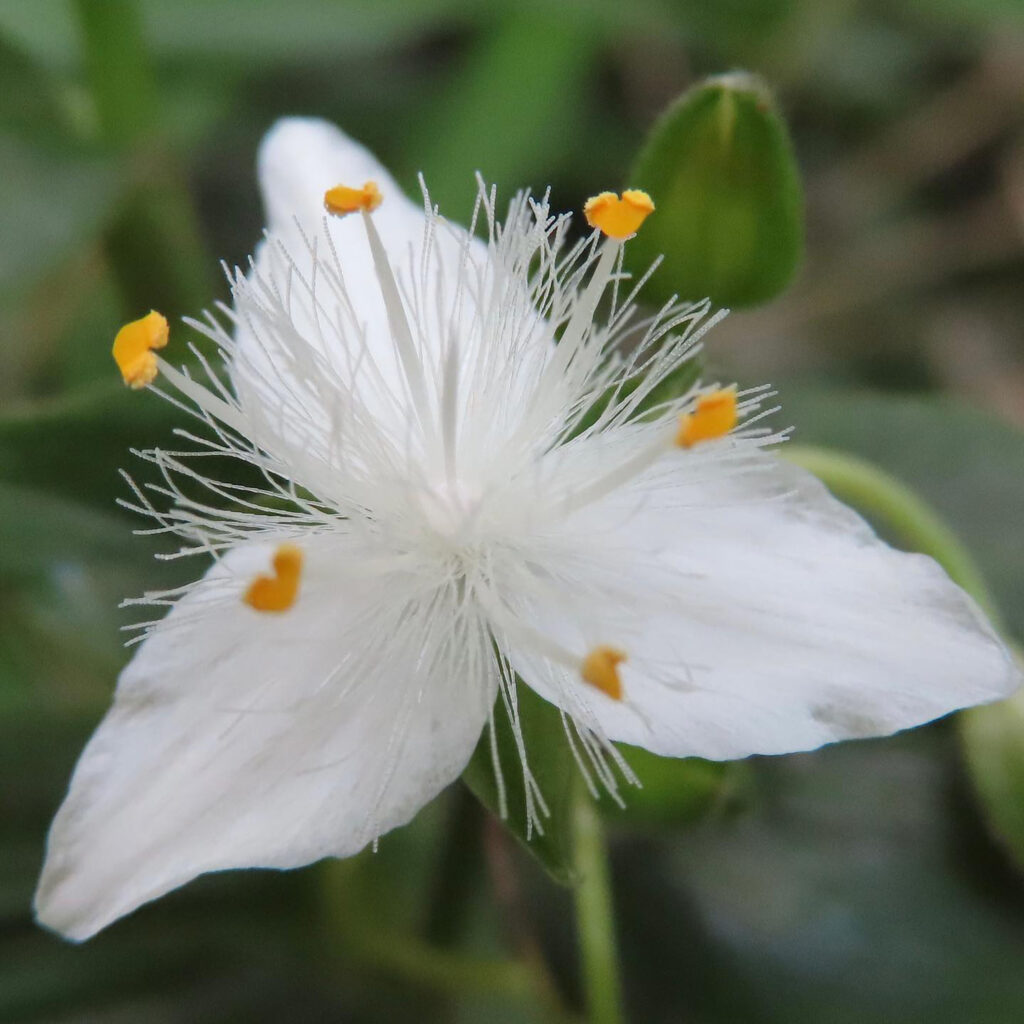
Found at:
<point>133,349</point>
<point>341,199</point>
<point>618,218</point>
<point>277,593</point>
<point>714,416</point>
<point>600,668</point>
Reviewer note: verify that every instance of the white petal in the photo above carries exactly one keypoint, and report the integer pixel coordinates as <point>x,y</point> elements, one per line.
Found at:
<point>299,159</point>
<point>276,364</point>
<point>765,617</point>
<point>315,353</point>
<point>240,738</point>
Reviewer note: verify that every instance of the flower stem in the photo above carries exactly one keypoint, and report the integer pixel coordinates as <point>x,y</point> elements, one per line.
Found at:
<point>595,916</point>
<point>456,875</point>
<point>892,505</point>
<point>155,244</point>
<point>406,957</point>
<point>509,897</point>
<point>117,63</point>
<point>353,926</point>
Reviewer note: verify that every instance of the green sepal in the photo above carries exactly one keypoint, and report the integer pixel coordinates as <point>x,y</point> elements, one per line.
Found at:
<point>677,791</point>
<point>553,767</point>
<point>993,744</point>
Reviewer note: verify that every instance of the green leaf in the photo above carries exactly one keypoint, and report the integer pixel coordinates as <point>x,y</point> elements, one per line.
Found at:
<point>52,203</point>
<point>29,105</point>
<point>729,218</point>
<point>552,765</point>
<point>305,31</point>
<point>301,31</point>
<point>214,29</point>
<point>853,891</point>
<point>970,13</point>
<point>75,445</point>
<point>38,530</point>
<point>739,26</point>
<point>65,570</point>
<point>536,62</point>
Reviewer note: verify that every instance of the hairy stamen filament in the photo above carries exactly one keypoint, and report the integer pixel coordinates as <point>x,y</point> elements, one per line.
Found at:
<point>401,333</point>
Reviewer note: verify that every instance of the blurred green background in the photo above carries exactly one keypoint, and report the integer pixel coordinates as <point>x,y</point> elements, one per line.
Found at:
<point>863,883</point>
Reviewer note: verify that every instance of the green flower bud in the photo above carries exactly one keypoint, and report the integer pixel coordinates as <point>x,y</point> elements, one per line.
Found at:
<point>729,219</point>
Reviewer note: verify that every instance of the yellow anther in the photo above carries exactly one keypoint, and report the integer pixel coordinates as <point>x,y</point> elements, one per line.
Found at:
<point>341,199</point>
<point>618,218</point>
<point>133,349</point>
<point>600,668</point>
<point>714,416</point>
<point>277,593</point>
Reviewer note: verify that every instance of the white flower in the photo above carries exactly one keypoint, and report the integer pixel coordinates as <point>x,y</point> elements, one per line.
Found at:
<point>449,499</point>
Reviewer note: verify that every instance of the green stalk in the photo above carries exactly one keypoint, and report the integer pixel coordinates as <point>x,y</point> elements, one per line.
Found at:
<point>353,926</point>
<point>891,504</point>
<point>117,63</point>
<point>509,898</point>
<point>595,915</point>
<point>405,957</point>
<point>155,244</point>
<point>457,874</point>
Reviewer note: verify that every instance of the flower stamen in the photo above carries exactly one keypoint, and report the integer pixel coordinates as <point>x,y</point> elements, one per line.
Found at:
<point>133,349</point>
<point>600,668</point>
<point>398,322</point>
<point>714,416</point>
<point>342,199</point>
<point>619,475</point>
<point>618,218</point>
<point>277,593</point>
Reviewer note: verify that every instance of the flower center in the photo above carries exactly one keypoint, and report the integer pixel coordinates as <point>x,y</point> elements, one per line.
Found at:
<point>451,509</point>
